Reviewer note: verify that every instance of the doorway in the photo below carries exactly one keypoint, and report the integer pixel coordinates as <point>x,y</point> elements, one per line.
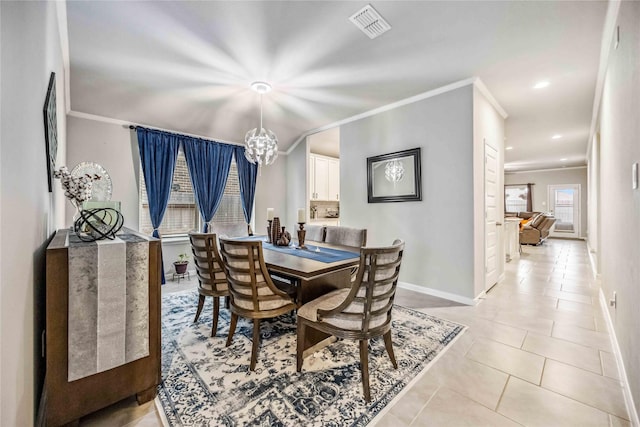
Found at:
<point>564,203</point>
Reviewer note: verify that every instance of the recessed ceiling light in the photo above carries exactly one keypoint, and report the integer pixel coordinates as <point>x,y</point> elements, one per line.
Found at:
<point>261,87</point>
<point>541,84</point>
<point>508,148</point>
<point>556,136</point>
<point>563,160</point>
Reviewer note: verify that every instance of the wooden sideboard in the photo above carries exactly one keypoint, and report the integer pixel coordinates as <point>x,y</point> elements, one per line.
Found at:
<point>67,401</point>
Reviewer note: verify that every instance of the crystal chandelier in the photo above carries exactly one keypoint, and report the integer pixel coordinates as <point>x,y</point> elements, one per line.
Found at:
<point>261,146</point>
<point>394,171</point>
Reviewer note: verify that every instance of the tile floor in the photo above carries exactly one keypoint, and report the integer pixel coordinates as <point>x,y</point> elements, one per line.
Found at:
<point>536,353</point>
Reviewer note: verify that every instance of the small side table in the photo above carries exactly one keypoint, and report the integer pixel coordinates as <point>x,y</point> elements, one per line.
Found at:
<point>181,276</point>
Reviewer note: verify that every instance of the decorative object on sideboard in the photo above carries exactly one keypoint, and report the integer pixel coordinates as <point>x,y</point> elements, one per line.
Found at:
<point>76,188</point>
<point>181,264</point>
<point>394,177</point>
<point>50,129</point>
<point>98,223</point>
<point>102,187</point>
<point>261,146</point>
<point>88,185</point>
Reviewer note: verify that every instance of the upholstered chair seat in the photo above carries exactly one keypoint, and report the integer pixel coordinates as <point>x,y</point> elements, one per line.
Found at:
<point>253,293</point>
<point>360,312</point>
<point>212,280</point>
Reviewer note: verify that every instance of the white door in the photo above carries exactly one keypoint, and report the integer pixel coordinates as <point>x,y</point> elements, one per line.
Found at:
<point>490,214</point>
<point>564,203</point>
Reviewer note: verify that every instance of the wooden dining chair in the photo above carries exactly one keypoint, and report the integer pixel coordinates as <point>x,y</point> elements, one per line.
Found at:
<point>360,312</point>
<point>346,236</point>
<point>253,294</point>
<point>315,233</point>
<point>212,280</point>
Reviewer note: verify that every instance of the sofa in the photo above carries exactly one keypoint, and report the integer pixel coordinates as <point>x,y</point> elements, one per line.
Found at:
<point>536,230</point>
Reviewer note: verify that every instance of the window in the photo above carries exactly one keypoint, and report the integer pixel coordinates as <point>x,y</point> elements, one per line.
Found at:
<point>182,214</point>
<point>516,198</point>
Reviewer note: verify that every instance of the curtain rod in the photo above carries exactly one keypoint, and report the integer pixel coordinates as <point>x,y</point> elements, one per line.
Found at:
<point>519,185</point>
<point>219,141</point>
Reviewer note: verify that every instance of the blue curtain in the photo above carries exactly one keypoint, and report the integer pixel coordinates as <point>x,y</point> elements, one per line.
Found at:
<point>247,175</point>
<point>158,152</point>
<point>208,163</point>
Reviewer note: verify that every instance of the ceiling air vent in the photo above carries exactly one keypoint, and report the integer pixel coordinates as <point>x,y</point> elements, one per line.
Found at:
<point>370,22</point>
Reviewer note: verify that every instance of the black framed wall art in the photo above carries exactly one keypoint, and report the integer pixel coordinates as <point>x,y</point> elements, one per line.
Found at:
<point>50,129</point>
<point>394,177</point>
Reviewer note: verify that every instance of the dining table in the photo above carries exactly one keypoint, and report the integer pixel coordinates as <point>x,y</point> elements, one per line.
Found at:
<point>313,270</point>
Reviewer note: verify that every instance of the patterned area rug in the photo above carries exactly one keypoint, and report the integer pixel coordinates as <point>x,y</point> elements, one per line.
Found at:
<point>208,384</point>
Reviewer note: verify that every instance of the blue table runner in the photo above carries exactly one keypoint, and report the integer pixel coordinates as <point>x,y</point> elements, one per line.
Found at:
<point>316,253</point>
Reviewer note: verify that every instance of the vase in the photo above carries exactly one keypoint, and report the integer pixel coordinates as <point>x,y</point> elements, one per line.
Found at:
<point>75,225</point>
<point>275,230</point>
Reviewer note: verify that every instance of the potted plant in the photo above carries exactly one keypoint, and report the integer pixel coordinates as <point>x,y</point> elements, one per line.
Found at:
<point>181,264</point>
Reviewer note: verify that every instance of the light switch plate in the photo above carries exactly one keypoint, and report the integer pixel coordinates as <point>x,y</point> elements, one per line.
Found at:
<point>634,176</point>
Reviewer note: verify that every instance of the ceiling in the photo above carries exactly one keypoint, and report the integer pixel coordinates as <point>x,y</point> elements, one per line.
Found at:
<point>187,66</point>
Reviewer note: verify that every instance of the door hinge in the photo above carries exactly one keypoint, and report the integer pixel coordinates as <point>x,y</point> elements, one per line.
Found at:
<point>43,342</point>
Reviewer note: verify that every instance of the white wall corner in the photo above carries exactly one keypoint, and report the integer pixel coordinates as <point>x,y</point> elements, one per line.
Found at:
<point>63,32</point>
<point>624,382</point>
<point>608,33</point>
<point>485,91</point>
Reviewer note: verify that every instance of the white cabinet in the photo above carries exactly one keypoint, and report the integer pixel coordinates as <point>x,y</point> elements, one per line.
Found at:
<point>324,178</point>
<point>512,238</point>
<point>334,179</point>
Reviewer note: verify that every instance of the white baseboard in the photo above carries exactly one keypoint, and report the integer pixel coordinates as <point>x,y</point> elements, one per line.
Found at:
<point>628,397</point>
<point>436,293</point>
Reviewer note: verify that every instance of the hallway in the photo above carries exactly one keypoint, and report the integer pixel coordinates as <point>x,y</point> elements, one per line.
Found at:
<point>537,352</point>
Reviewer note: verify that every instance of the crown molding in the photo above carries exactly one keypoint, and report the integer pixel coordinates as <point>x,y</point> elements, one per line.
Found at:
<point>506,172</point>
<point>388,107</point>
<point>494,103</point>
<point>126,124</point>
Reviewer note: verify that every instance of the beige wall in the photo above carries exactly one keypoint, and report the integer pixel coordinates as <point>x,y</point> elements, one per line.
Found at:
<point>30,51</point>
<point>542,179</point>
<point>620,204</point>
<point>439,229</point>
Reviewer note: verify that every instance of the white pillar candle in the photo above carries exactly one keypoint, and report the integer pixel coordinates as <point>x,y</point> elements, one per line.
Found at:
<point>269,214</point>
<point>301,215</point>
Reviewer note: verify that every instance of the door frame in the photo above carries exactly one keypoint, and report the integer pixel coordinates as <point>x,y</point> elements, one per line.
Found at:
<point>577,203</point>
<point>491,227</point>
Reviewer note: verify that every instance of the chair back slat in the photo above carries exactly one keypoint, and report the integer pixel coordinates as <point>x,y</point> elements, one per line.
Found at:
<point>369,303</point>
<point>211,275</point>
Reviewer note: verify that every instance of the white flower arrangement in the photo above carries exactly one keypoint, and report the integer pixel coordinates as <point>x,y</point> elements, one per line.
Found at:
<point>76,188</point>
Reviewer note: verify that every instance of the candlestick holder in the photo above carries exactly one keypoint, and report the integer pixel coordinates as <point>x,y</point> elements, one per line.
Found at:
<point>269,231</point>
<point>301,234</point>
